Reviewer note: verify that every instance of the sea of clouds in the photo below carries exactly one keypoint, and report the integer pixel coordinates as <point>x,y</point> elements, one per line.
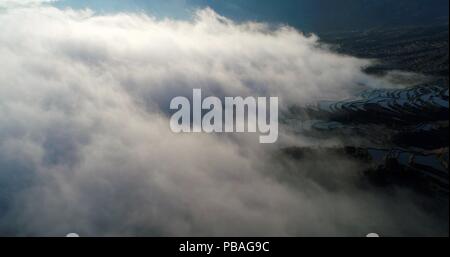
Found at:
<point>85,143</point>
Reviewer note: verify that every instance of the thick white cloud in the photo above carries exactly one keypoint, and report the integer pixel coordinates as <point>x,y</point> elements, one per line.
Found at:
<point>85,144</point>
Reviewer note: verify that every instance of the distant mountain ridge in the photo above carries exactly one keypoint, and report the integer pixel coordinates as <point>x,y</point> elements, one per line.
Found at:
<point>332,15</point>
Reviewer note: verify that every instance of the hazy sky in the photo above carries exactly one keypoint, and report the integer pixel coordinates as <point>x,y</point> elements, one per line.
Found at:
<point>309,15</point>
